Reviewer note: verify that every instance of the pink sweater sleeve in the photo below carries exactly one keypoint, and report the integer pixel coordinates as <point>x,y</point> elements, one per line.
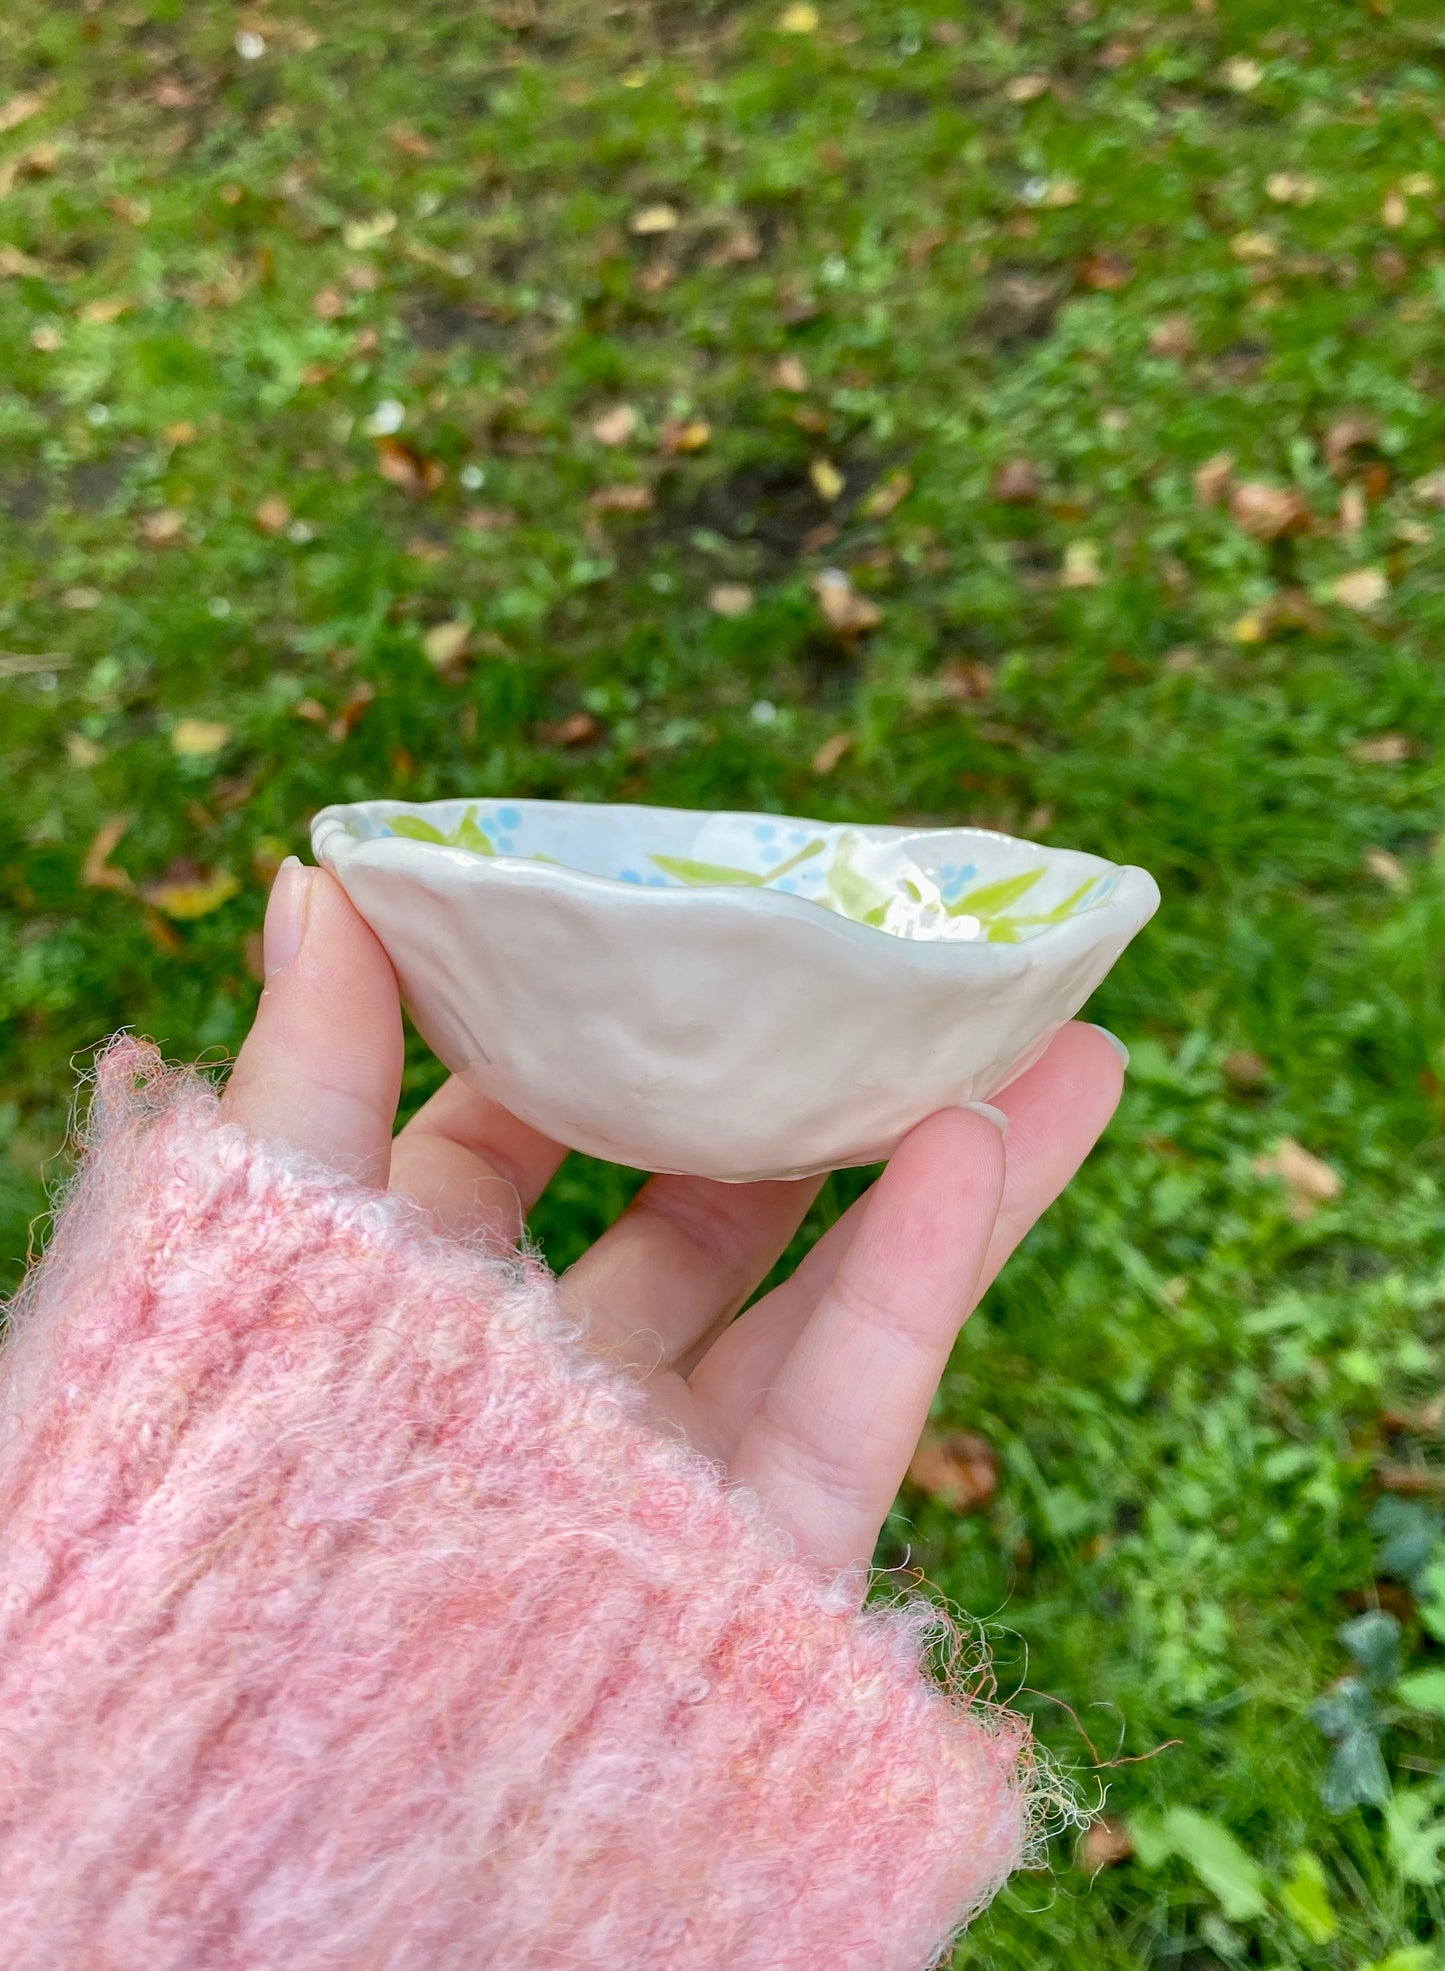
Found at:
<point>353,1619</point>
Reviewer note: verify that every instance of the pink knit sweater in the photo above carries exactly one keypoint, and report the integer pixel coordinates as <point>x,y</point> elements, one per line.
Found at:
<point>353,1619</point>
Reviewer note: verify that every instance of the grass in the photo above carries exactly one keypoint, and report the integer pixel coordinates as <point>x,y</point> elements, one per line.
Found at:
<point>1027,268</point>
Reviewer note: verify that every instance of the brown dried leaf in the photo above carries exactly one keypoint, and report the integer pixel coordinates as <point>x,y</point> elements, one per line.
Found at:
<point>488,519</point>
<point>960,1469</point>
<point>1354,511</point>
<point>1361,589</point>
<point>1308,1181</point>
<point>14,263</point>
<point>1381,749</point>
<point>730,599</point>
<point>164,528</point>
<point>1211,480</point>
<point>181,433</point>
<point>1246,1069</point>
<point>622,499</point>
<point>845,611</point>
<point>831,752</point>
<point>888,497</point>
<point>966,681</point>
<point>273,515</point>
<point>1174,336</point>
<point>1106,1841</point>
<point>684,435</point>
<point>734,251</point>
<point>616,426</point>
<point>925,244</point>
<point>789,374</point>
<point>1016,482</point>
<point>1349,429</point>
<point>1266,512</point>
<point>580,729</point>
<point>328,303</point>
<point>351,711</point>
<point>96,871</point>
<point>409,142</point>
<point>1027,88</point>
<point>1105,271</point>
<point>405,467</point>
<point>22,106</point>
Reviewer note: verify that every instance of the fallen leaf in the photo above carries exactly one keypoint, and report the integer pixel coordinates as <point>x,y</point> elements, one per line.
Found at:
<point>187,892</point>
<point>273,515</point>
<point>1382,749</point>
<point>82,752</point>
<point>351,710</point>
<point>82,598</point>
<point>163,528</point>
<point>654,279</point>
<point>831,752</point>
<point>1353,511</point>
<point>960,1470</point>
<point>1249,246</point>
<point>1308,1181</point>
<point>966,681</point>
<point>181,433</point>
<point>430,553</point>
<point>1246,1069</point>
<point>888,497</point>
<point>1212,478</point>
<point>1081,566</point>
<point>622,499</point>
<point>1027,88</point>
<point>1241,74</point>
<point>737,250</point>
<point>363,233</point>
<point>580,729</point>
<point>789,374</point>
<point>923,245</point>
<point>1411,1481</point>
<point>96,871</point>
<point>409,142</point>
<point>46,338</point>
<point>799,18</point>
<point>328,303</point>
<point>828,481</point>
<point>1105,272</point>
<point>445,644</point>
<point>1016,482</point>
<point>310,711</point>
<point>198,739</point>
<point>616,426</point>
<point>844,610</point>
<point>1361,589</point>
<point>488,519</point>
<point>1106,1841</point>
<point>1266,512</point>
<point>1349,429</point>
<point>1394,211</point>
<point>405,467</point>
<point>109,308</point>
<point>21,107</point>
<point>1292,188</point>
<point>1173,336</point>
<point>730,599</point>
<point>173,94</point>
<point>683,435</point>
<point>1388,869</point>
<point>652,219</point>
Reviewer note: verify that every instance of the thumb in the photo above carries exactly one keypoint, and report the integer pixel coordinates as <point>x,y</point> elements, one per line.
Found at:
<point>320,1070</point>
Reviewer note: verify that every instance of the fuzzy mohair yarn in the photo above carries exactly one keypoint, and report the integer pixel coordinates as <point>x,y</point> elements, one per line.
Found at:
<point>353,1619</point>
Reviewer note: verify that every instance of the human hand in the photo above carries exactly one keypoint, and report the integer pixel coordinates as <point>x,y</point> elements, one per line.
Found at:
<point>815,1397</point>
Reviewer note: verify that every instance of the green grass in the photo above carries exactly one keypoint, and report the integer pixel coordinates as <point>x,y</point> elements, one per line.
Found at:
<point>1191,1392</point>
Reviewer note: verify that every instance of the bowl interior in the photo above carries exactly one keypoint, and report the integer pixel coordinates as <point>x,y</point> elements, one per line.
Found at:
<point>956,884</point>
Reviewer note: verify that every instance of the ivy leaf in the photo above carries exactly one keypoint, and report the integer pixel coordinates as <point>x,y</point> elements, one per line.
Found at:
<point>1373,1639</point>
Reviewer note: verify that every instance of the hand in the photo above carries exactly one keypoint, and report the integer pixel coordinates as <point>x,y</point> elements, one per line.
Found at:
<point>816,1397</point>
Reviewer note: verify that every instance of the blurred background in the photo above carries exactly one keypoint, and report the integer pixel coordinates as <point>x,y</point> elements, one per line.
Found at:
<point>452,398</point>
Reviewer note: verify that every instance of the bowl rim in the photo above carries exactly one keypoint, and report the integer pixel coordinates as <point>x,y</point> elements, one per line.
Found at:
<point>1132,903</point>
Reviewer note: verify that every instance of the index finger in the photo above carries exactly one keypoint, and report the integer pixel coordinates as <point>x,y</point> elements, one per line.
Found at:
<point>473,1165</point>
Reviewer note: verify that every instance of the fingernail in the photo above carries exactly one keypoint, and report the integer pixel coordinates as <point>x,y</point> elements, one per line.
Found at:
<point>285,916</point>
<point>989,1114</point>
<point>1114,1041</point>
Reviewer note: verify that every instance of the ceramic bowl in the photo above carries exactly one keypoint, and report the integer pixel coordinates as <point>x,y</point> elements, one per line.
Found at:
<point>730,995</point>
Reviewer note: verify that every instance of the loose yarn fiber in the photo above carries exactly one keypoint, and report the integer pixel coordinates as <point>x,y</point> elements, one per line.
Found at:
<point>353,1619</point>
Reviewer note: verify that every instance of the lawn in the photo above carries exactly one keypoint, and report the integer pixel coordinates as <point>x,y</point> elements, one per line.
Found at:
<point>443,399</point>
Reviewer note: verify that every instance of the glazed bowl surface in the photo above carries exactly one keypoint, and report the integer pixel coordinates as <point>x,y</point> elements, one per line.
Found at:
<point>728,995</point>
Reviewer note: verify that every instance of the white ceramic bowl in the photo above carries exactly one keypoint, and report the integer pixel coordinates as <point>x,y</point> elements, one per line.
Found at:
<point>731,995</point>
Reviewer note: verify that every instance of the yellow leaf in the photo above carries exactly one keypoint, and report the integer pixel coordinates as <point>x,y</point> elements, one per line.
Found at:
<point>798,19</point>
<point>1081,566</point>
<point>362,233</point>
<point>653,219</point>
<point>187,897</point>
<point>20,108</point>
<point>730,599</point>
<point>197,739</point>
<point>1292,188</point>
<point>445,643</point>
<point>1241,74</point>
<point>828,481</point>
<point>109,308</point>
<point>1027,88</point>
<point>1253,246</point>
<point>686,435</point>
<point>1251,628</point>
